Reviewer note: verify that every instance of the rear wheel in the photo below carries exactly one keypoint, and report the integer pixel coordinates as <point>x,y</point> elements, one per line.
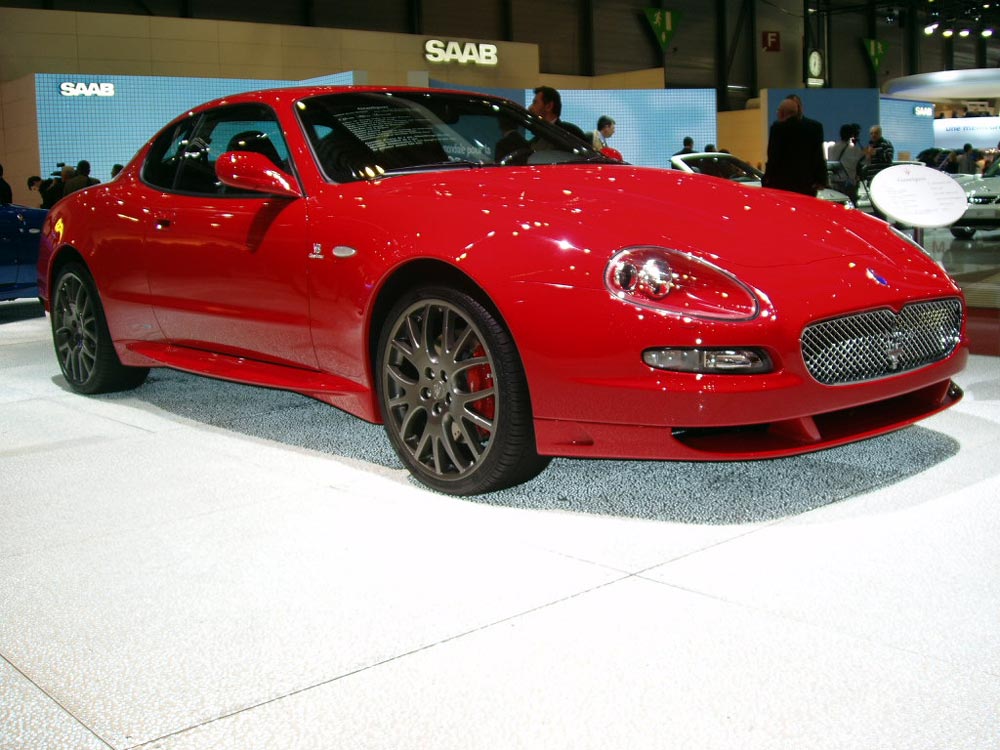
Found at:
<point>962,233</point>
<point>453,394</point>
<point>83,344</point>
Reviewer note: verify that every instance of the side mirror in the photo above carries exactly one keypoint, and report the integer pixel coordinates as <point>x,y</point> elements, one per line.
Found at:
<point>248,170</point>
<point>612,153</point>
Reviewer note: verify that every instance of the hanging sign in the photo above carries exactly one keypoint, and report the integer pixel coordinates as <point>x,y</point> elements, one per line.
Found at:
<point>876,51</point>
<point>664,23</point>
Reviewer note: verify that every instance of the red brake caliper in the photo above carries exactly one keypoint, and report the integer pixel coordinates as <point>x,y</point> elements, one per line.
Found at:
<point>479,378</point>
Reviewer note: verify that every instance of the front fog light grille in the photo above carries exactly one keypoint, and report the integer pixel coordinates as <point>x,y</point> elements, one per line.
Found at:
<point>739,361</point>
<point>880,343</point>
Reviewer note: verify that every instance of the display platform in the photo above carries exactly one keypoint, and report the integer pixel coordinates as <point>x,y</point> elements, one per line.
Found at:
<point>197,565</point>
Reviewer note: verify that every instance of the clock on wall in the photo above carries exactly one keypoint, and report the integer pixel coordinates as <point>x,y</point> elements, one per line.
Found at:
<point>815,64</point>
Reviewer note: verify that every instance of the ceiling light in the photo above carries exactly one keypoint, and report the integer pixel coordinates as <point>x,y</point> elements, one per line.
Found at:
<point>964,32</point>
<point>947,32</point>
<point>987,32</point>
<point>930,29</point>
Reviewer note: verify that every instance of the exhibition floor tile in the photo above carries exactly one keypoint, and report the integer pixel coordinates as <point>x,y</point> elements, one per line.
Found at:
<point>632,665</point>
<point>198,565</point>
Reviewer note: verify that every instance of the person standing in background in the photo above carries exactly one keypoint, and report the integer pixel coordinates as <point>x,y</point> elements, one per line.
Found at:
<point>849,154</point>
<point>688,147</point>
<point>37,185</point>
<point>6,194</point>
<point>547,105</point>
<point>880,151</point>
<point>605,129</point>
<point>814,151</point>
<point>54,191</point>
<point>82,178</point>
<point>967,162</point>
<point>794,155</point>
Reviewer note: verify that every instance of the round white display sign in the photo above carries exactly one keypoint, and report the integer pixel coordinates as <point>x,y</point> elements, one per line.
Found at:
<point>918,196</point>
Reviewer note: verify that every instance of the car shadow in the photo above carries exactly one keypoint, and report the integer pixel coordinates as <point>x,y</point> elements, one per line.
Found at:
<point>729,492</point>
<point>13,311</point>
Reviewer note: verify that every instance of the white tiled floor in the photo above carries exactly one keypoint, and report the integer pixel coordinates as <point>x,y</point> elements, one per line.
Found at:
<point>200,565</point>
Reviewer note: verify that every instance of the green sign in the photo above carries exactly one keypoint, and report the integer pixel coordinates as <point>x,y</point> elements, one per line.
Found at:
<point>664,22</point>
<point>876,51</point>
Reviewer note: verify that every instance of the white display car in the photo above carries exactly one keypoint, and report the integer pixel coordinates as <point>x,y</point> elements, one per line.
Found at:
<point>729,167</point>
<point>983,194</point>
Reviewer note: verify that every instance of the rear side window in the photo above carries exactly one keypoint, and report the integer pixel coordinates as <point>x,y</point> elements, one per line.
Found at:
<point>164,158</point>
<point>183,159</point>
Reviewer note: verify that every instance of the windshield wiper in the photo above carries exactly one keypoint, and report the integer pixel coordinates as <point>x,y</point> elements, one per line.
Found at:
<point>432,166</point>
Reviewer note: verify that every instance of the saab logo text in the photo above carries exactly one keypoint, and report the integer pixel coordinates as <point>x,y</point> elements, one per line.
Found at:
<point>438,50</point>
<point>69,88</point>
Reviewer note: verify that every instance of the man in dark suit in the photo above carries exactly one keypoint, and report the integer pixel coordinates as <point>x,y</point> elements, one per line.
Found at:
<point>795,159</point>
<point>547,104</point>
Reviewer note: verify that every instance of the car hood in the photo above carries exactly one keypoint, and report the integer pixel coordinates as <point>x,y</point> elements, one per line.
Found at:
<point>559,226</point>
<point>982,186</point>
<point>606,208</point>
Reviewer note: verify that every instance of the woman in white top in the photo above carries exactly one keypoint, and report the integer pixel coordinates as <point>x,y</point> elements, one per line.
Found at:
<point>848,153</point>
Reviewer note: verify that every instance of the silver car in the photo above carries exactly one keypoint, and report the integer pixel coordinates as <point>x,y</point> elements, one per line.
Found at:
<point>983,194</point>
<point>728,167</point>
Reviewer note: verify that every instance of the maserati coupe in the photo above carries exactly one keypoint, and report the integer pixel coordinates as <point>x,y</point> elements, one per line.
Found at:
<point>493,290</point>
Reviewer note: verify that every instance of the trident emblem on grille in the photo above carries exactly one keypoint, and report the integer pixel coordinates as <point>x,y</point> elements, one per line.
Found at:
<point>894,350</point>
<point>893,356</point>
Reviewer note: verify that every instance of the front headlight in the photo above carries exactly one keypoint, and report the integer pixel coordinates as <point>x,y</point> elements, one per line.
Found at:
<point>679,282</point>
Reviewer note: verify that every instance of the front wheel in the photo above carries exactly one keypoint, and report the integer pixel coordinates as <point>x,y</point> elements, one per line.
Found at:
<point>962,233</point>
<point>454,396</point>
<point>87,356</point>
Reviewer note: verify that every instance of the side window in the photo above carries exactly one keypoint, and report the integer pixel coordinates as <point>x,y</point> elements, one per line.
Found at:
<point>164,158</point>
<point>245,127</point>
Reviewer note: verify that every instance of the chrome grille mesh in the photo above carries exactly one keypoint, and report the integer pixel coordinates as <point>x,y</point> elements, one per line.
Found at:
<point>879,343</point>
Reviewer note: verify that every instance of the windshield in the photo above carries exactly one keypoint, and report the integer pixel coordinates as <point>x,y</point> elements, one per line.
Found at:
<point>726,167</point>
<point>365,135</point>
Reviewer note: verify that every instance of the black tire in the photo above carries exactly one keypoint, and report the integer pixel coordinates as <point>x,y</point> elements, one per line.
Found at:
<point>453,394</point>
<point>962,233</point>
<point>83,345</point>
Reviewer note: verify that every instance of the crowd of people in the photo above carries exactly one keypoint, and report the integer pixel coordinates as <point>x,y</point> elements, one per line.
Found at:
<point>62,182</point>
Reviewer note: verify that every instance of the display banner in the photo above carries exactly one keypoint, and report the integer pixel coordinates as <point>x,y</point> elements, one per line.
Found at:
<point>954,133</point>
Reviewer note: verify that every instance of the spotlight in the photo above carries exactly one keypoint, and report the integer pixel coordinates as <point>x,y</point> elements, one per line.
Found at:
<point>987,32</point>
<point>964,32</point>
<point>947,33</point>
<point>930,29</point>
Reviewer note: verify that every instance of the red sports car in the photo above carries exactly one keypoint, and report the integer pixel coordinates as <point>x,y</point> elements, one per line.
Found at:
<point>492,289</point>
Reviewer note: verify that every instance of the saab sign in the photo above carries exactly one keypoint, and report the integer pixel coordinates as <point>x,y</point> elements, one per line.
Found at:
<point>441,51</point>
<point>86,89</point>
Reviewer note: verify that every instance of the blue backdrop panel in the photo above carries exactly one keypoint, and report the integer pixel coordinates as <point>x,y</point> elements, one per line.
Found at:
<point>833,108</point>
<point>907,124</point>
<point>108,130</point>
<point>650,124</point>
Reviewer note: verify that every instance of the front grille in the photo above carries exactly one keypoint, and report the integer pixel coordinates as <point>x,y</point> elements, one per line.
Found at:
<point>880,343</point>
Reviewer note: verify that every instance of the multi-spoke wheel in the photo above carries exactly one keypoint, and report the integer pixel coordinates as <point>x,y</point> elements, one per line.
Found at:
<point>453,394</point>
<point>83,345</point>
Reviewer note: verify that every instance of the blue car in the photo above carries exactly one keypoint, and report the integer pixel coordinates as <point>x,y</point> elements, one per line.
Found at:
<point>20,230</point>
